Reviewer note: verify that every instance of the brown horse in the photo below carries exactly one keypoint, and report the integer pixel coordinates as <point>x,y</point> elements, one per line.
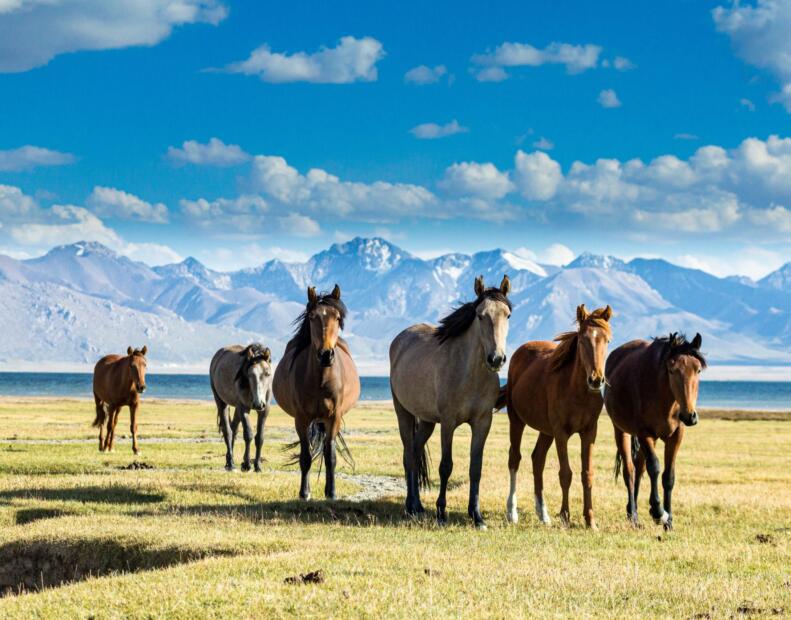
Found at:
<point>556,389</point>
<point>316,383</point>
<point>652,394</point>
<point>117,382</point>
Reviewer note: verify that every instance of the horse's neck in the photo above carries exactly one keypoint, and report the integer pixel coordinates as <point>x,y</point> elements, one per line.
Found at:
<point>577,378</point>
<point>664,399</point>
<point>467,351</point>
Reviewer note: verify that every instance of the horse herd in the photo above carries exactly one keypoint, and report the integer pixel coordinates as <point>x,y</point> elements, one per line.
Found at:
<point>448,375</point>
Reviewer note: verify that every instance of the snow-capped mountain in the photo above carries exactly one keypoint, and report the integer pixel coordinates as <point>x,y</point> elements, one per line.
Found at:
<point>79,301</point>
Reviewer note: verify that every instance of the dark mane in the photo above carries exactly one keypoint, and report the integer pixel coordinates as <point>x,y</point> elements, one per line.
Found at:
<point>137,353</point>
<point>457,322</point>
<point>677,344</point>
<point>567,349</point>
<point>251,355</point>
<point>301,338</point>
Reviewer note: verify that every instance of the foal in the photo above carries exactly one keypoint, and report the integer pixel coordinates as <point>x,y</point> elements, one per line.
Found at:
<point>555,388</point>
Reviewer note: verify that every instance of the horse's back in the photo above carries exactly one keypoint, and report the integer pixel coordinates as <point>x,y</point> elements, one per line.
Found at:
<point>621,358</point>
<point>621,395</point>
<point>104,379</point>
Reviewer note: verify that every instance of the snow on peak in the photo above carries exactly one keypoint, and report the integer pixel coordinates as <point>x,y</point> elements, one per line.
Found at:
<point>596,261</point>
<point>375,254</point>
<point>518,261</point>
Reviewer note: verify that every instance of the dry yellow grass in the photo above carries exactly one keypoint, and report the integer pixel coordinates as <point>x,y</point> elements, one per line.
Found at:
<point>187,539</point>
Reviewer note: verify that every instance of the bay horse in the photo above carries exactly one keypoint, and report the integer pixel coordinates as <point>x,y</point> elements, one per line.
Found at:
<point>447,375</point>
<point>118,381</point>
<point>241,377</point>
<point>652,394</point>
<point>317,383</point>
<point>555,388</point>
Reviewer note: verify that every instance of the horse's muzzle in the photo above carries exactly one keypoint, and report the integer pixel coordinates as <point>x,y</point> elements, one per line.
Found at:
<point>141,388</point>
<point>595,384</point>
<point>689,419</point>
<point>495,361</point>
<point>327,357</point>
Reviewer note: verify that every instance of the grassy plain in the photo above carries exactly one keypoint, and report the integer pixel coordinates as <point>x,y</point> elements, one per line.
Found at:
<point>82,536</point>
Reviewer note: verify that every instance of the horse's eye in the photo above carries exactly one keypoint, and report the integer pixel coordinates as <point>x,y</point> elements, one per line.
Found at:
<point>698,370</point>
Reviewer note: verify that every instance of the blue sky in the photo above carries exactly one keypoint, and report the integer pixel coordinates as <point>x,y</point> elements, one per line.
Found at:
<point>191,127</point>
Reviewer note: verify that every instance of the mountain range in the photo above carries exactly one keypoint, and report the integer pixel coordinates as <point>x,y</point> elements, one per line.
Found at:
<point>65,309</point>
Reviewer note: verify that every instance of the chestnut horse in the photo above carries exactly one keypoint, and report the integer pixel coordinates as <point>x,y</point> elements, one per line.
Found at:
<point>117,382</point>
<point>448,375</point>
<point>652,394</point>
<point>556,389</point>
<point>316,383</point>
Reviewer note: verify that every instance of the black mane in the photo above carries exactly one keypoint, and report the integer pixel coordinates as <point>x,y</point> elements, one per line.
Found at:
<point>677,344</point>
<point>259,352</point>
<point>457,322</point>
<point>301,338</point>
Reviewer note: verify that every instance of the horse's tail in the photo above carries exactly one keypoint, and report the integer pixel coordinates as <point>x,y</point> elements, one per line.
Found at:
<point>635,450</point>
<point>317,434</point>
<point>101,412</point>
<point>502,398</point>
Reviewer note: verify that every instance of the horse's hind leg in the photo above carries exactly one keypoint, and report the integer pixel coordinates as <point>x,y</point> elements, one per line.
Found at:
<point>623,442</point>
<point>112,420</point>
<point>406,427</point>
<point>305,461</point>
<point>565,475</point>
<point>247,432</point>
<point>652,466</point>
<point>515,430</point>
<point>259,437</point>
<point>133,426</point>
<point>480,431</point>
<point>445,469</point>
<point>227,434</point>
<point>539,459</point>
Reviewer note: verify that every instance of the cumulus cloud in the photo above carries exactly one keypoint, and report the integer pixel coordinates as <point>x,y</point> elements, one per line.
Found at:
<point>15,204</point>
<point>33,32</point>
<point>424,74</point>
<point>623,64</point>
<point>214,153</point>
<point>352,60</point>
<point>475,179</point>
<point>557,254</point>
<point>111,202</point>
<point>29,157</point>
<point>491,74</point>
<point>608,98</point>
<point>537,175</point>
<point>300,225</point>
<point>575,58</point>
<point>431,131</point>
<point>545,144</point>
<point>759,35</point>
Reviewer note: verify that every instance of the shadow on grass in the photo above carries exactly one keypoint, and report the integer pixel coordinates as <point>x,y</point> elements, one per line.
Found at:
<point>95,494</point>
<point>34,565</point>
<point>29,515</point>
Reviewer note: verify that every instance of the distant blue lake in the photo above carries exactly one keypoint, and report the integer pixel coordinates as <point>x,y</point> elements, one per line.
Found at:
<point>764,395</point>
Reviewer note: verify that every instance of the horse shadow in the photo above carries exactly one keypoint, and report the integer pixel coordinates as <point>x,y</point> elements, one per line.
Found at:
<point>92,494</point>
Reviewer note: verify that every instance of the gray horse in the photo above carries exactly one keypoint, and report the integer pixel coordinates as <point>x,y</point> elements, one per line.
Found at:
<point>241,377</point>
<point>447,375</point>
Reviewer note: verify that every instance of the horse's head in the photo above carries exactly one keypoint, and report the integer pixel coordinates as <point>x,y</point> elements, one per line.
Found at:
<point>594,335</point>
<point>684,364</point>
<point>137,365</point>
<point>326,314</point>
<point>255,374</point>
<point>492,311</point>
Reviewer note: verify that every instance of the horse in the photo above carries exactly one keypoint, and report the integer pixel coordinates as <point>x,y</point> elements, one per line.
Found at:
<point>241,377</point>
<point>317,383</point>
<point>652,394</point>
<point>447,375</point>
<point>118,381</point>
<point>556,389</point>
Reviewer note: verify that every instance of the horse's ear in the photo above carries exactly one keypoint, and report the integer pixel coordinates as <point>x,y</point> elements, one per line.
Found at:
<point>479,287</point>
<point>144,350</point>
<point>336,292</point>
<point>697,341</point>
<point>505,285</point>
<point>267,354</point>
<point>582,313</point>
<point>250,353</point>
<point>129,350</point>
<point>607,313</point>
<point>312,295</point>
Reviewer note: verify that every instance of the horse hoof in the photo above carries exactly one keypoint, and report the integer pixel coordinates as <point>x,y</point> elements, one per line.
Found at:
<point>304,498</point>
<point>230,467</point>
<point>592,526</point>
<point>512,517</point>
<point>481,526</point>
<point>245,466</point>
<point>258,469</point>
<point>663,519</point>
<point>565,521</point>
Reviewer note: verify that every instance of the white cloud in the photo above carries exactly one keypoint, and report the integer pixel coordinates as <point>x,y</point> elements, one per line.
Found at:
<point>424,74</point>
<point>111,202</point>
<point>15,204</point>
<point>623,64</point>
<point>483,181</point>
<point>214,153</point>
<point>352,60</point>
<point>608,98</point>
<point>491,74</point>
<point>537,175</point>
<point>760,36</point>
<point>248,255</point>
<point>299,225</point>
<point>746,103</point>
<point>431,131</point>
<point>29,157</point>
<point>556,254</point>
<point>775,217</point>
<point>69,224</point>
<point>575,58</point>
<point>32,32</point>
<point>150,253</point>
<point>545,144</point>
<point>754,262</point>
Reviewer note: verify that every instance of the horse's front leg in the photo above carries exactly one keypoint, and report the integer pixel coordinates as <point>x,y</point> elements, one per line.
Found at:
<point>244,414</point>
<point>480,431</point>
<point>259,436</point>
<point>445,469</point>
<point>515,430</point>
<point>133,426</point>
<point>565,475</point>
<point>109,440</point>
<point>588,438</point>
<point>305,461</point>
<point>330,460</point>
<point>672,444</point>
<point>623,442</point>
<point>227,435</point>
<point>652,466</point>
<point>539,459</point>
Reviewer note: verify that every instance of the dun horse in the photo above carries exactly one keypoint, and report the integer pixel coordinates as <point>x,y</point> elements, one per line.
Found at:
<point>118,381</point>
<point>447,375</point>
<point>652,395</point>
<point>316,383</point>
<point>555,388</point>
<point>241,377</point>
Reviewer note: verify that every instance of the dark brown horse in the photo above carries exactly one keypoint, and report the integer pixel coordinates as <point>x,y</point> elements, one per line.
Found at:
<point>556,389</point>
<point>652,394</point>
<point>118,381</point>
<point>316,383</point>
